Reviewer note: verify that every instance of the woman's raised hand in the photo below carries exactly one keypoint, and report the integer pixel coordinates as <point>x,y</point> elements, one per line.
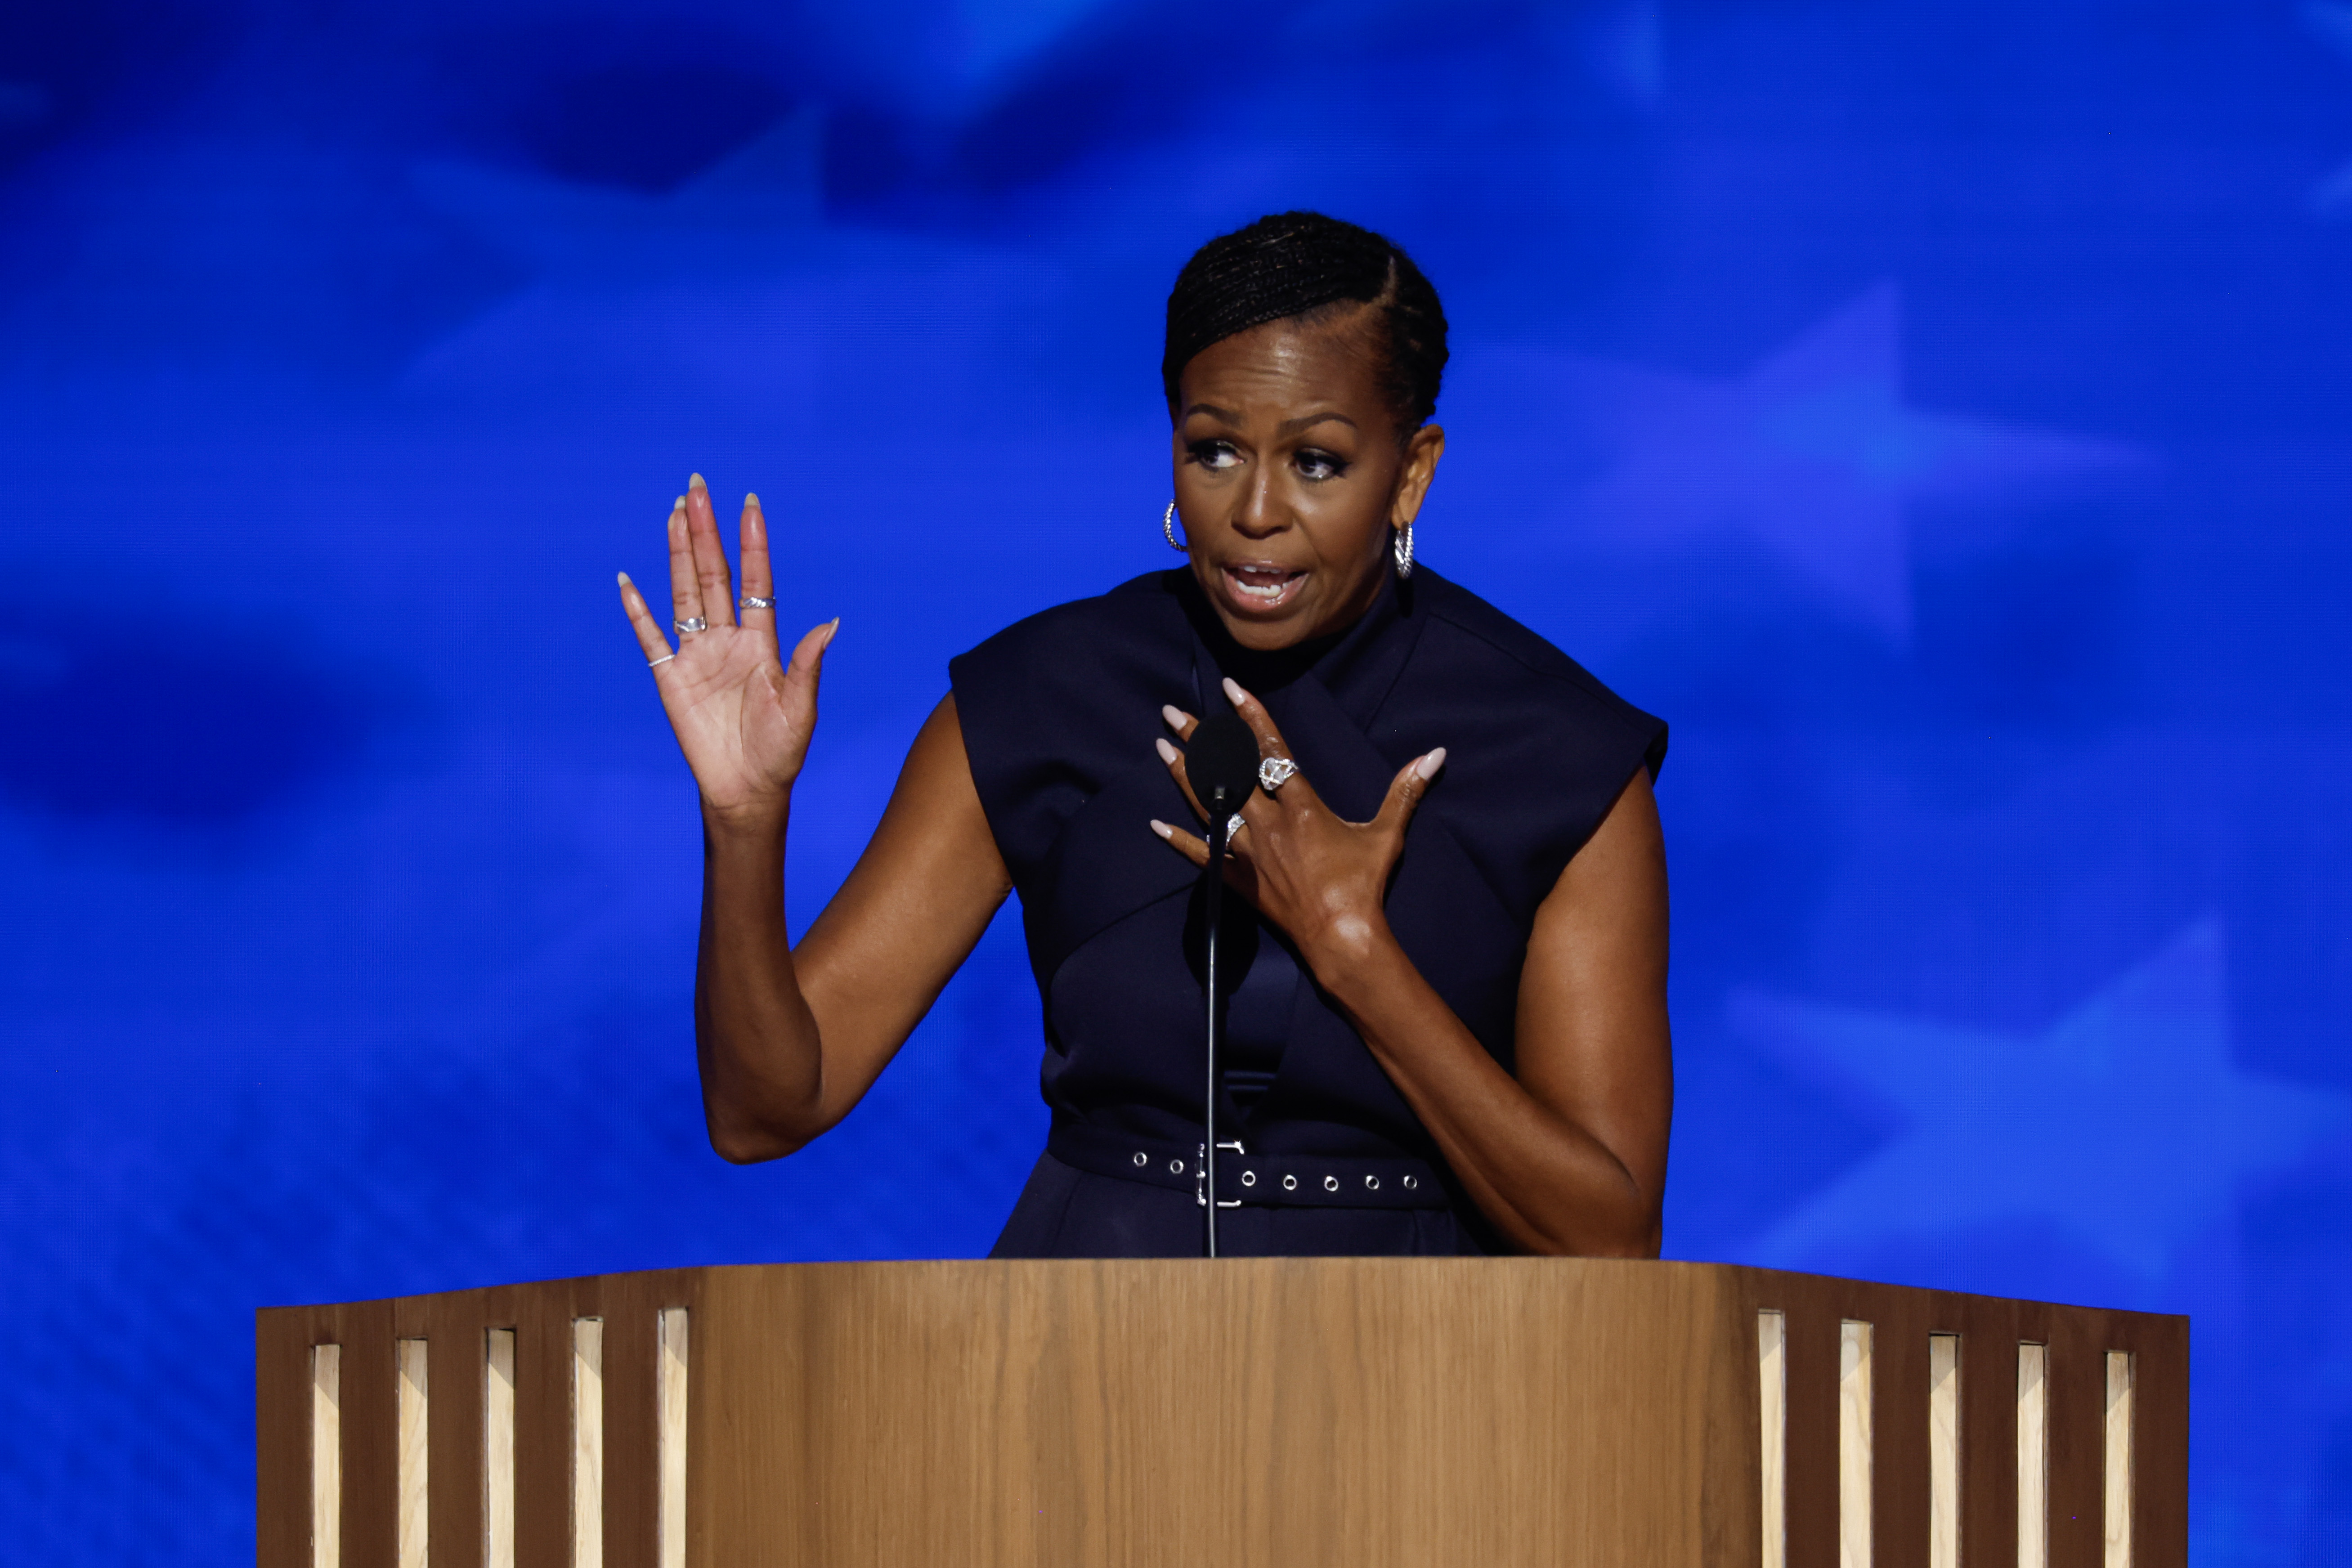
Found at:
<point>744,717</point>
<point>1324,881</point>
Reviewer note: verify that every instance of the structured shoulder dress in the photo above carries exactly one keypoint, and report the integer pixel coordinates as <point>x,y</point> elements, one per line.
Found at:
<point>1059,714</point>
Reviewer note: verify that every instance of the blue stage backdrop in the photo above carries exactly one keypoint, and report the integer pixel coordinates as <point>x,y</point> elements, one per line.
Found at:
<point>1941,411</point>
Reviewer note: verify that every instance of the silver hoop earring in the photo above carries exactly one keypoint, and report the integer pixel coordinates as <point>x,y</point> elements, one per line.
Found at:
<point>1403,549</point>
<point>1167,527</point>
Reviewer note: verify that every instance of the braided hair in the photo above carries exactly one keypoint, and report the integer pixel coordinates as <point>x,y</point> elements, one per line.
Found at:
<point>1306,267</point>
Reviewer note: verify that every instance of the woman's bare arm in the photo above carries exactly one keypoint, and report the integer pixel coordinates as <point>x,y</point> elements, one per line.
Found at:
<point>1570,1157</point>
<point>788,1040</point>
<point>791,1038</point>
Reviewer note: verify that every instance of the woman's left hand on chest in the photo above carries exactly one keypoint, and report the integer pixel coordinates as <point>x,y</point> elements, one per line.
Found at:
<point>1323,880</point>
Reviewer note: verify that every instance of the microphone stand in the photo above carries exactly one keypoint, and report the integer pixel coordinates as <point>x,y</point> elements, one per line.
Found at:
<point>1220,815</point>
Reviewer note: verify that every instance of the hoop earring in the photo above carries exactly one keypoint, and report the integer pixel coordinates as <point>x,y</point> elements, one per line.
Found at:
<point>1401,547</point>
<point>1167,527</point>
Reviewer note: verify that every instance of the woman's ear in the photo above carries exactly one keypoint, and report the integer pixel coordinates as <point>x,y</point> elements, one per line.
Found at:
<point>1420,455</point>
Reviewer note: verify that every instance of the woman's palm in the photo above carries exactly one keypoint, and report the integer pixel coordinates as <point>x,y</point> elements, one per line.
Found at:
<point>743,718</point>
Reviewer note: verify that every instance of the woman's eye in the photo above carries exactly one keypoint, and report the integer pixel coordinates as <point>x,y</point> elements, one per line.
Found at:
<point>1215,454</point>
<point>1316,465</point>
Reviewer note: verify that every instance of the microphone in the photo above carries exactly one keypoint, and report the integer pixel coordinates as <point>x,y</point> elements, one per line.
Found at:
<point>1221,760</point>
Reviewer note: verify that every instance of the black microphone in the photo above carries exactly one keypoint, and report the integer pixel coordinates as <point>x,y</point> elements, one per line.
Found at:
<point>1221,760</point>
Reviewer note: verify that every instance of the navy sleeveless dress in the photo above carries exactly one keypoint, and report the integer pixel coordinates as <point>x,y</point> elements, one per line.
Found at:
<point>1059,713</point>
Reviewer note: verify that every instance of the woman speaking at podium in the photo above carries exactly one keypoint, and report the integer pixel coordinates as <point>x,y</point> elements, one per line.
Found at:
<point>1445,974</point>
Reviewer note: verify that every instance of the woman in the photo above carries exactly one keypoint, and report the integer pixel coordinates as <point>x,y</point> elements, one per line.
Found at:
<point>1449,1030</point>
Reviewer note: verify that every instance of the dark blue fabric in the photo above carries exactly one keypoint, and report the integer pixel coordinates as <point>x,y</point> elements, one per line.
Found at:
<point>1059,713</point>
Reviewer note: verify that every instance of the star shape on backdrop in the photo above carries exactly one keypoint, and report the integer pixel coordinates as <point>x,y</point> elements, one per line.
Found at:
<point>1815,453</point>
<point>2331,20</point>
<point>2125,1122</point>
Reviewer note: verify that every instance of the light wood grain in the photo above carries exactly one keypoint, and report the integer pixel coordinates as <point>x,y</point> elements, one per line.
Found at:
<point>1253,1413</point>
<point>416,1499</point>
<point>588,1443</point>
<point>2032,1456</point>
<point>1772,1405</point>
<point>1855,1435</point>
<point>499,1448</point>
<point>2118,1512</point>
<point>670,1439</point>
<point>326,1455</point>
<point>1942,1451</point>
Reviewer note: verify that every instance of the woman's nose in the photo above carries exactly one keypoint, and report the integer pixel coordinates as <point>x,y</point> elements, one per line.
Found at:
<point>1259,514</point>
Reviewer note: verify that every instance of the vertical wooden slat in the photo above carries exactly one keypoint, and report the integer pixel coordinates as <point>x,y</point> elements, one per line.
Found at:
<point>1812,1413</point>
<point>588,1443</point>
<point>412,1550</point>
<point>499,1448</point>
<point>1773,1395</point>
<point>2032,1456</point>
<point>326,1455</point>
<point>669,1394</point>
<point>2074,1373</point>
<point>1855,1439</point>
<point>1942,1451</point>
<point>2117,1512</point>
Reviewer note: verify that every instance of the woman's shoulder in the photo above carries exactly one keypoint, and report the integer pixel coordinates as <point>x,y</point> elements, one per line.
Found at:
<point>1480,645</point>
<point>1143,610</point>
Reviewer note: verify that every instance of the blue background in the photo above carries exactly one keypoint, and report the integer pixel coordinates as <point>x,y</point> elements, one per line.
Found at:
<point>1938,411</point>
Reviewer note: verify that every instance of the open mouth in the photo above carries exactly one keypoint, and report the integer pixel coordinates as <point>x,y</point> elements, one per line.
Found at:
<point>1261,585</point>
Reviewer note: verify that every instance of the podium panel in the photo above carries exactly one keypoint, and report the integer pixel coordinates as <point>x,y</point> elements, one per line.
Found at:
<point>1277,1412</point>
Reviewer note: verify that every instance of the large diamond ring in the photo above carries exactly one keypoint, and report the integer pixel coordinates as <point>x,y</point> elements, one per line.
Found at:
<point>1275,772</point>
<point>1233,825</point>
<point>690,624</point>
<point>753,602</point>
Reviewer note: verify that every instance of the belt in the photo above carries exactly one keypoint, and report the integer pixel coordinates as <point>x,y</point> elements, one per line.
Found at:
<point>1272,1181</point>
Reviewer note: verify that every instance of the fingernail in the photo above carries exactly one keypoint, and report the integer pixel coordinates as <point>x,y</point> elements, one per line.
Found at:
<point>1177,718</point>
<point>1427,767</point>
<point>751,499</point>
<point>1162,828</point>
<point>1167,751</point>
<point>832,630</point>
<point>625,579</point>
<point>678,505</point>
<point>1234,693</point>
<point>694,482</point>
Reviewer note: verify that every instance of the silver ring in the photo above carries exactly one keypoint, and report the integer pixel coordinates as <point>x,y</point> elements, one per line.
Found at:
<point>1233,825</point>
<point>753,602</point>
<point>1275,772</point>
<point>657,663</point>
<point>690,626</point>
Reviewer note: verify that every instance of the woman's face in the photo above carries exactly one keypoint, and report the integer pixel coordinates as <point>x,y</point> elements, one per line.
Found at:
<point>1289,475</point>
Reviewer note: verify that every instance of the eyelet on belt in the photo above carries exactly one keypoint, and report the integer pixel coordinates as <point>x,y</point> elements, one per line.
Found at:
<point>1249,1178</point>
<point>1175,1167</point>
<point>1373,1183</point>
<point>1331,1183</point>
<point>1142,1158</point>
<point>1290,1184</point>
<point>1410,1183</point>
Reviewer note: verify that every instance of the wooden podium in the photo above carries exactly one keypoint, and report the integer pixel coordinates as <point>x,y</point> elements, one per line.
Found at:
<point>1272,1412</point>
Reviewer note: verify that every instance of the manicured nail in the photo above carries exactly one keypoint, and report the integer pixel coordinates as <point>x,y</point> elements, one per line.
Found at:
<point>1234,693</point>
<point>832,630</point>
<point>678,505</point>
<point>1167,751</point>
<point>1177,718</point>
<point>694,482</point>
<point>1427,767</point>
<point>1162,829</point>
<point>625,579</point>
<point>751,499</point>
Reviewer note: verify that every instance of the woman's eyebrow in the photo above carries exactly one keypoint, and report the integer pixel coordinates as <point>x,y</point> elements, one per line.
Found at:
<point>1304,420</point>
<point>1214,411</point>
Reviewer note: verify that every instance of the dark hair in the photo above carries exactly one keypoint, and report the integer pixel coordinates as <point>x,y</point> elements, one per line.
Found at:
<point>1300,264</point>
